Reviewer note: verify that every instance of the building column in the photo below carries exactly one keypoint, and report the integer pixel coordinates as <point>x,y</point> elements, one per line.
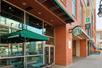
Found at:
<point>83,48</point>
<point>63,46</point>
<point>78,48</point>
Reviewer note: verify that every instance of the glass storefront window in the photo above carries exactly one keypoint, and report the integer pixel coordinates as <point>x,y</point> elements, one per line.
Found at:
<point>4,50</point>
<point>34,61</point>
<point>3,30</point>
<point>8,50</point>
<point>3,63</point>
<point>51,55</point>
<point>2,20</point>
<point>8,17</point>
<point>34,24</point>
<point>50,41</point>
<point>16,63</point>
<point>34,48</point>
<point>74,7</point>
<point>11,63</point>
<point>48,30</point>
<point>17,49</point>
<point>8,11</point>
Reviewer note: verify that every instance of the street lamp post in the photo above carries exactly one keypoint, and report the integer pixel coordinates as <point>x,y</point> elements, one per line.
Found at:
<point>100,9</point>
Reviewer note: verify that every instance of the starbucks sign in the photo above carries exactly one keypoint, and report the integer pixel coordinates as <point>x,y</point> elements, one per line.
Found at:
<point>77,31</point>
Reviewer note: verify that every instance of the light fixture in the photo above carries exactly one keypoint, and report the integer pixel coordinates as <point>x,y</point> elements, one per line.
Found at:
<point>24,3</point>
<point>39,13</point>
<point>52,20</point>
<point>10,8</point>
<point>100,9</point>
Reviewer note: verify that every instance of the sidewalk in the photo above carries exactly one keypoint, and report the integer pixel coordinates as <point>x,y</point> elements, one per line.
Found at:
<point>93,61</point>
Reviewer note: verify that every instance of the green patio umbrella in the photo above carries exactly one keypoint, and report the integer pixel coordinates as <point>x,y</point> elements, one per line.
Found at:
<point>22,36</point>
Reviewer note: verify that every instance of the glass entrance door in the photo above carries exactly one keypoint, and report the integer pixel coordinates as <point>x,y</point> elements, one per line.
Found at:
<point>49,55</point>
<point>46,55</point>
<point>52,57</point>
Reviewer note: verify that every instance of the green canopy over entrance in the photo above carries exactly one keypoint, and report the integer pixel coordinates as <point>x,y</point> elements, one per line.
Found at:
<point>22,36</point>
<point>79,32</point>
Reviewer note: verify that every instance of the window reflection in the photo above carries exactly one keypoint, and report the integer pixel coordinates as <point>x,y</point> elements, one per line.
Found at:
<point>3,30</point>
<point>17,50</point>
<point>74,7</point>
<point>50,41</point>
<point>34,62</point>
<point>34,24</point>
<point>48,30</point>
<point>4,50</point>
<point>11,63</point>
<point>11,50</point>
<point>51,55</point>
<point>8,11</point>
<point>34,48</point>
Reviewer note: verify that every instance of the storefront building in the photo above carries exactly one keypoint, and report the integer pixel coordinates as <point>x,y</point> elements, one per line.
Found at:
<point>38,33</point>
<point>84,34</point>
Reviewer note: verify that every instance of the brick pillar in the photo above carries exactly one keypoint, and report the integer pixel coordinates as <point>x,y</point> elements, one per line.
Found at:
<point>83,48</point>
<point>63,46</point>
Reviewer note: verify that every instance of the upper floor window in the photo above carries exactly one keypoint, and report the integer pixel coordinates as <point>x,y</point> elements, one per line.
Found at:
<point>48,30</point>
<point>34,24</point>
<point>81,12</point>
<point>100,35</point>
<point>92,18</point>
<point>0,6</point>
<point>87,2</point>
<point>8,11</point>
<point>74,7</point>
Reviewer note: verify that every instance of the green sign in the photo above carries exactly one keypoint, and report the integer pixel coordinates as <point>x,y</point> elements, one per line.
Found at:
<point>87,20</point>
<point>77,31</point>
<point>87,26</point>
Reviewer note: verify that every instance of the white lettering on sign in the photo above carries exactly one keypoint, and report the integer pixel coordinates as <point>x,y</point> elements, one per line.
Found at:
<point>13,36</point>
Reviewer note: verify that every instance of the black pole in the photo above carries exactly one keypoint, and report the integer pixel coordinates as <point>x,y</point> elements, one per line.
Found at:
<point>100,2</point>
<point>100,9</point>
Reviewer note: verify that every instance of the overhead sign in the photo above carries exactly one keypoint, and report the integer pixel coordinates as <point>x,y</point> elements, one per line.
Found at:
<point>77,31</point>
<point>87,26</point>
<point>87,20</point>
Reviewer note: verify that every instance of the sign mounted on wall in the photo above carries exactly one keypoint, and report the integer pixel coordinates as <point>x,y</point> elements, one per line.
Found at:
<point>77,31</point>
<point>87,20</point>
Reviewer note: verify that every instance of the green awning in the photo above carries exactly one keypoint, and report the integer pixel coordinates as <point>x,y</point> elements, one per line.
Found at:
<point>69,18</point>
<point>22,36</point>
<point>79,32</point>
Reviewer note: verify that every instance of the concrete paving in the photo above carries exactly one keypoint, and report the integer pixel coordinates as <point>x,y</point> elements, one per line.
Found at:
<point>93,61</point>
